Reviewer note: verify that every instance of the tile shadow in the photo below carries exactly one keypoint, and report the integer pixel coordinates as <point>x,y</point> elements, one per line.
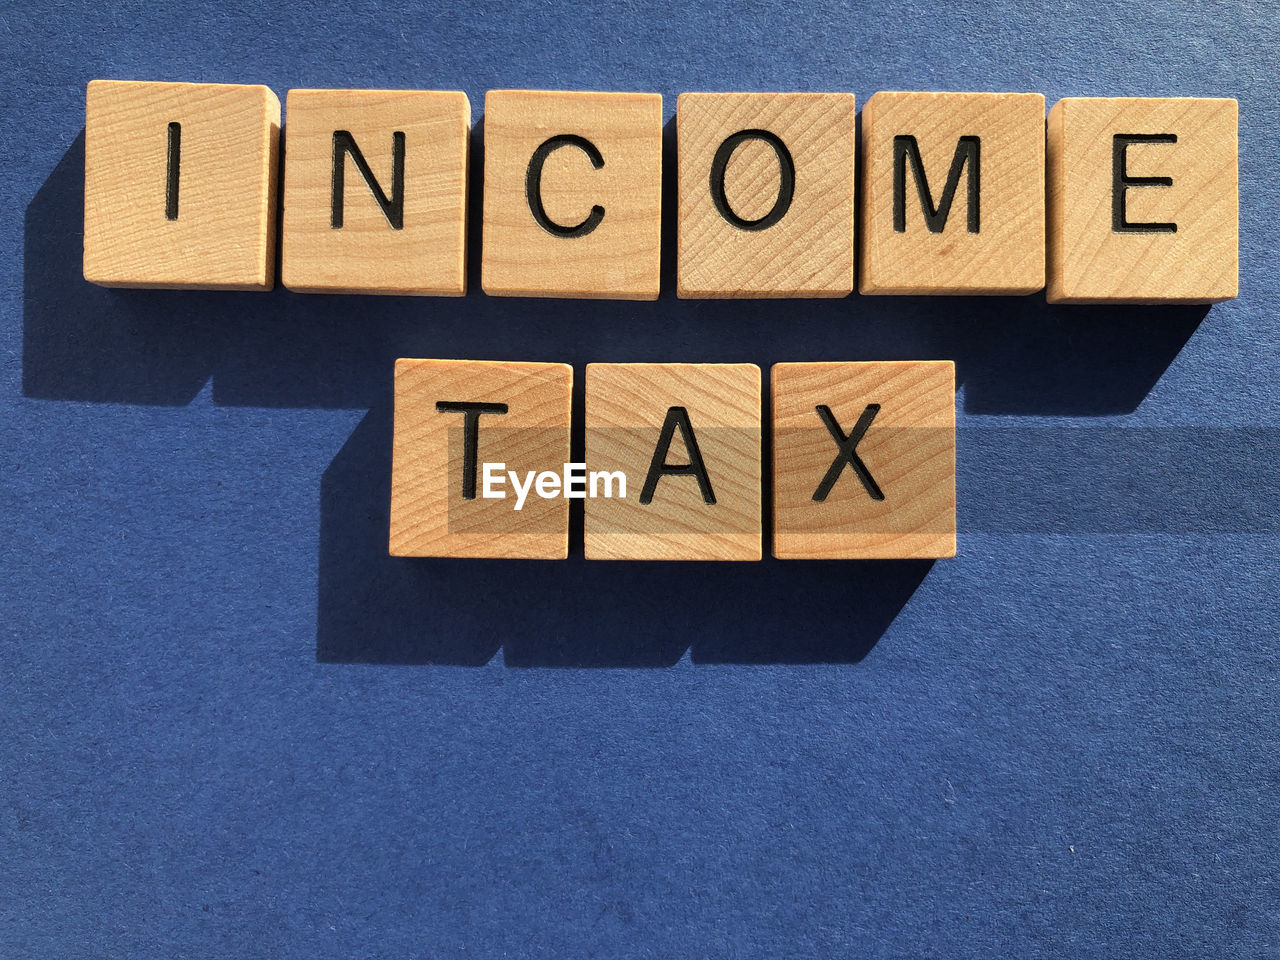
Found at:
<point>85,343</point>
<point>374,608</point>
<point>1014,356</point>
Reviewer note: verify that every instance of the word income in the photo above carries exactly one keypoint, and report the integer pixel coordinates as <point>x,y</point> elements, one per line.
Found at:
<point>1108,200</point>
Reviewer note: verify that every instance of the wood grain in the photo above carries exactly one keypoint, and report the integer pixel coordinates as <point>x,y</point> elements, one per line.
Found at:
<point>1088,260</point>
<point>429,515</point>
<point>426,255</point>
<point>908,449</point>
<point>619,258</point>
<point>626,406</point>
<point>1006,254</point>
<point>223,235</point>
<point>806,253</point>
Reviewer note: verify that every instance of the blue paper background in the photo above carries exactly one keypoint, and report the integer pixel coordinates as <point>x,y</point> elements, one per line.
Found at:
<point>232,727</point>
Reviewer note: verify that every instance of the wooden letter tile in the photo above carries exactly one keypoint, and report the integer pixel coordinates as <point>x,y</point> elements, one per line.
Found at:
<point>952,193</point>
<point>686,436</point>
<point>452,417</point>
<point>399,158</point>
<point>180,185</point>
<point>766,194</point>
<point>572,194</point>
<point>864,462</point>
<point>1143,200</point>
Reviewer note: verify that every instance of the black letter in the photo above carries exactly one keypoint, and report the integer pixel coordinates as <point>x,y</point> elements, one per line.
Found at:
<point>1121,181</point>
<point>786,179</point>
<point>392,209</point>
<point>470,437</point>
<point>848,452</point>
<point>533,185</point>
<point>904,148</point>
<point>171,172</point>
<point>658,466</point>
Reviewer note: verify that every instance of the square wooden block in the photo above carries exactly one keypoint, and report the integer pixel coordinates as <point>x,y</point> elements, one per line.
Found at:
<point>766,194</point>
<point>452,417</point>
<point>686,437</point>
<point>375,192</point>
<point>1143,200</point>
<point>864,460</point>
<point>952,193</point>
<point>572,194</point>
<point>180,185</point>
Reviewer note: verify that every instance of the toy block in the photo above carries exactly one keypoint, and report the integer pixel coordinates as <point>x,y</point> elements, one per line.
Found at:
<point>180,185</point>
<point>572,194</point>
<point>375,192</point>
<point>1143,200</point>
<point>685,439</point>
<point>468,436</point>
<point>766,194</point>
<point>864,463</point>
<point>952,194</point>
